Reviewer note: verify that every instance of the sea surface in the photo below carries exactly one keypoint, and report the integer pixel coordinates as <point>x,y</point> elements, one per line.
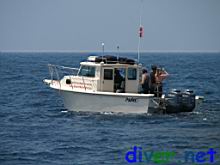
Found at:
<point>35,128</point>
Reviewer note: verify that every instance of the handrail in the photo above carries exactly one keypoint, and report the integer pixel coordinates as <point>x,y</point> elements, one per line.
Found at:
<point>84,83</point>
<point>62,67</point>
<point>55,71</point>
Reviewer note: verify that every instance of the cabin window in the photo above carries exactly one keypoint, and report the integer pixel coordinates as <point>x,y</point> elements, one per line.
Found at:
<point>88,71</point>
<point>132,73</point>
<point>108,74</point>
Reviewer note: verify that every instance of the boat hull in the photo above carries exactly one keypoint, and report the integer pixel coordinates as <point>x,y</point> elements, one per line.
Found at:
<point>103,102</point>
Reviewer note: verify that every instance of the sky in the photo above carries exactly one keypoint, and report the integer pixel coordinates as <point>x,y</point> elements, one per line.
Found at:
<point>82,25</point>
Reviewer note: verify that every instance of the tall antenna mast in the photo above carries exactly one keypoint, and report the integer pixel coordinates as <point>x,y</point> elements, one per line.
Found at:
<point>141,30</point>
<point>103,50</point>
<point>117,52</point>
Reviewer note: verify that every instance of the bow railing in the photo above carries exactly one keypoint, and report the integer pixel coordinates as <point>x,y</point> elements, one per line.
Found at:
<point>57,72</point>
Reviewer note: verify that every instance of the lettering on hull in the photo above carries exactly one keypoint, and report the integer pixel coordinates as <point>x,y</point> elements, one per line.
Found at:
<point>131,99</point>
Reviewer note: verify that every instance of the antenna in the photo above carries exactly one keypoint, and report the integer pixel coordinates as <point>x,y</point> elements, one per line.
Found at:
<point>117,52</point>
<point>141,30</point>
<point>103,49</point>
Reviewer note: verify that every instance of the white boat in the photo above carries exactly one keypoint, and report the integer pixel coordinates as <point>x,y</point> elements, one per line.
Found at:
<point>94,86</point>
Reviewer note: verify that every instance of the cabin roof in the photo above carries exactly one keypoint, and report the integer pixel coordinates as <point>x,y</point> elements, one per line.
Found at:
<point>111,61</point>
<point>88,63</point>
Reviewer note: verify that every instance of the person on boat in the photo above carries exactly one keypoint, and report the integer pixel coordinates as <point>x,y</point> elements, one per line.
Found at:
<point>118,81</point>
<point>153,79</point>
<point>145,81</point>
<point>160,75</point>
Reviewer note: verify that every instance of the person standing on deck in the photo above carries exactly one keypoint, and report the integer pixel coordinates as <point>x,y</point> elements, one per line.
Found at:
<point>153,79</point>
<point>160,75</point>
<point>145,81</point>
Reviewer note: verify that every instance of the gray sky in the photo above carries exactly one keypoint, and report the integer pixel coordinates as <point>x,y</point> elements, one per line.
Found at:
<point>82,25</point>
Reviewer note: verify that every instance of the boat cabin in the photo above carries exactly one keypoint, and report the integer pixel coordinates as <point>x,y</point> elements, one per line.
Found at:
<point>107,74</point>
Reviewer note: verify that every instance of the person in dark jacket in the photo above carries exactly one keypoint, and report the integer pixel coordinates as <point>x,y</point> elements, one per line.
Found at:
<point>153,84</point>
<point>145,81</point>
<point>119,86</point>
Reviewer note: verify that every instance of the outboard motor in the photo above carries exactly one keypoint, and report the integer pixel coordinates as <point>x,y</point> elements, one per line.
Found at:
<point>188,101</point>
<point>178,101</point>
<point>173,101</point>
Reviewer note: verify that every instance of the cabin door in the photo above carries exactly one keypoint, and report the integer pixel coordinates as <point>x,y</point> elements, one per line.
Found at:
<point>107,79</point>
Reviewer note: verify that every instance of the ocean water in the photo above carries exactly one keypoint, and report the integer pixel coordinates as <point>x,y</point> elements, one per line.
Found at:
<point>35,128</point>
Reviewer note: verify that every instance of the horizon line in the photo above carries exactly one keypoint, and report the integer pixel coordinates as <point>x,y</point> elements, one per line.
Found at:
<point>109,51</point>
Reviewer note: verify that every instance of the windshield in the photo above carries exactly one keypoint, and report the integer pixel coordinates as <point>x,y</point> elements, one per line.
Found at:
<point>88,71</point>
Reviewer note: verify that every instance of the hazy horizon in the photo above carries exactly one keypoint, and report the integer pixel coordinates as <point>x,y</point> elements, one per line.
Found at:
<point>109,51</point>
<point>82,25</point>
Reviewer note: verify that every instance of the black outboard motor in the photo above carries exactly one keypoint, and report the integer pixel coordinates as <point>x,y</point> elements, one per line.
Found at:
<point>173,101</point>
<point>178,101</point>
<point>188,101</point>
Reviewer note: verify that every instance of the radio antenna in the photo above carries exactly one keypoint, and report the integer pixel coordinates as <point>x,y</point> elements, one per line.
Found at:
<point>118,52</point>
<point>103,50</point>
